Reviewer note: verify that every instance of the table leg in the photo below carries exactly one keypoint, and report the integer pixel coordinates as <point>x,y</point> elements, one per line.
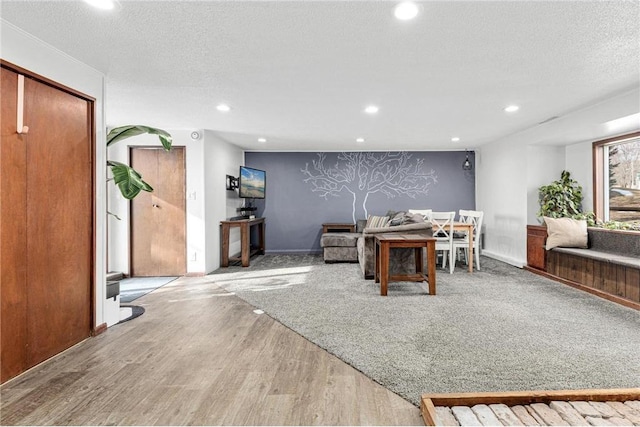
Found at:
<point>417,252</point>
<point>245,244</point>
<point>470,250</point>
<point>225,246</point>
<point>261,239</point>
<point>376,262</point>
<point>431,265</point>
<point>384,268</point>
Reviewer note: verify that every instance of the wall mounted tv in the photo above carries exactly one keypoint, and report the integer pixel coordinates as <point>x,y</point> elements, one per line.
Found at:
<point>251,183</point>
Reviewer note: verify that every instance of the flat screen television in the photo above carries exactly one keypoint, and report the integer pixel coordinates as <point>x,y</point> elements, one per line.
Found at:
<point>251,183</point>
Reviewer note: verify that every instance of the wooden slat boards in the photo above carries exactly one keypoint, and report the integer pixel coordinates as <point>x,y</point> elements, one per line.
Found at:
<point>532,407</point>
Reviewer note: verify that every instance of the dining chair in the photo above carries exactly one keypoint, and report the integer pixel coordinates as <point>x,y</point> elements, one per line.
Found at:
<point>462,243</point>
<point>442,223</point>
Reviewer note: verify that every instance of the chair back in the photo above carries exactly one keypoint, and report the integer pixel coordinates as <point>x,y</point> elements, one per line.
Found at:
<point>475,218</point>
<point>442,223</point>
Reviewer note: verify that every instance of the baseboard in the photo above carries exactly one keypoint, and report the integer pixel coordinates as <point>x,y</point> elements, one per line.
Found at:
<point>515,262</point>
<point>99,329</point>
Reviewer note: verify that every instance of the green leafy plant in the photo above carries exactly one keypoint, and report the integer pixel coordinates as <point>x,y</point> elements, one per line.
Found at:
<point>561,198</point>
<point>128,180</point>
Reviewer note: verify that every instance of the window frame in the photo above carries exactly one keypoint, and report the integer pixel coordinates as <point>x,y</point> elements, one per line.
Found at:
<point>601,169</point>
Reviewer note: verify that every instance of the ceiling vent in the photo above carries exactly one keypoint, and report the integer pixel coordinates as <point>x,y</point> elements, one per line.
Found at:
<point>548,120</point>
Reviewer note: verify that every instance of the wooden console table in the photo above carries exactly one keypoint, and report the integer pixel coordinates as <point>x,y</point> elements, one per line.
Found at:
<point>245,241</point>
<point>386,242</point>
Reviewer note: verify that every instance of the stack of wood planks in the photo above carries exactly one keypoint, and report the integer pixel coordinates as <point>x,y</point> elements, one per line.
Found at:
<point>553,408</point>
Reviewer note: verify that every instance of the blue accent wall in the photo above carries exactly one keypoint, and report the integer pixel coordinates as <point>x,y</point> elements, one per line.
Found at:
<point>306,189</point>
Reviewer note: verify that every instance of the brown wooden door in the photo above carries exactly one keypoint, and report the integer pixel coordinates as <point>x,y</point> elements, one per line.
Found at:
<point>158,219</point>
<point>46,223</point>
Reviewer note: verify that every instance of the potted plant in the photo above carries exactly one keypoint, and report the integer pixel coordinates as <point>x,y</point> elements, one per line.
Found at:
<point>562,198</point>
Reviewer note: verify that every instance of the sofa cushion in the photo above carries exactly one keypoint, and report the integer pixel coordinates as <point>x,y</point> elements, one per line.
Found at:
<point>566,232</point>
<point>397,219</point>
<point>426,213</point>
<point>413,218</point>
<point>377,221</point>
<point>339,239</point>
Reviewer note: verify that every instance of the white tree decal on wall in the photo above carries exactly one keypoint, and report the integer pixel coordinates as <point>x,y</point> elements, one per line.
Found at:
<point>365,173</point>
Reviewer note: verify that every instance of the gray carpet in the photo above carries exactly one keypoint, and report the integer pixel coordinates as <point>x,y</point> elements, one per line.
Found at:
<point>499,329</point>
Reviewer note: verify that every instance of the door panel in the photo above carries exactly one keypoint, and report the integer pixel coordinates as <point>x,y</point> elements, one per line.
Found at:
<point>158,219</point>
<point>59,219</point>
<point>46,223</point>
<point>13,235</point>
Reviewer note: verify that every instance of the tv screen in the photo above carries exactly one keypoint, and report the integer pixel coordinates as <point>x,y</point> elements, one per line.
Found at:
<point>251,183</point>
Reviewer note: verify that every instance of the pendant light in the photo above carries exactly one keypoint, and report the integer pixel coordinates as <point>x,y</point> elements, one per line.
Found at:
<point>466,165</point>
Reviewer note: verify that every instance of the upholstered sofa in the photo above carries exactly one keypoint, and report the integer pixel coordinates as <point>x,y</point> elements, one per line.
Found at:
<point>360,246</point>
<point>402,260</point>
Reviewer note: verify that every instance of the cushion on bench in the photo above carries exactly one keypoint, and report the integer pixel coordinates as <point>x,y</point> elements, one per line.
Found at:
<point>627,261</point>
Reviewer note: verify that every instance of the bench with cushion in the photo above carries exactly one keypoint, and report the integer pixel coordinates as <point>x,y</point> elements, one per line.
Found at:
<point>608,266</point>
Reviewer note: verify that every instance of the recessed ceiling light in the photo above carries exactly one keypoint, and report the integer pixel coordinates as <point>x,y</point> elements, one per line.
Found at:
<point>223,107</point>
<point>102,4</point>
<point>406,10</point>
<point>262,140</point>
<point>511,108</point>
<point>360,140</point>
<point>371,109</point>
<point>455,139</point>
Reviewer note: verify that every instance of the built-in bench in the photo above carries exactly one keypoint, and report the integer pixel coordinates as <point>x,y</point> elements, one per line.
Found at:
<point>610,267</point>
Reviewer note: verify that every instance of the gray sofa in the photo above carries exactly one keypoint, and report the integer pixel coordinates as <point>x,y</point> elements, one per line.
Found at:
<point>402,260</point>
<point>360,246</point>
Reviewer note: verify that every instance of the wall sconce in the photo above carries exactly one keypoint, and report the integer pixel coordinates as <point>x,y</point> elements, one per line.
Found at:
<point>466,165</point>
<point>232,183</point>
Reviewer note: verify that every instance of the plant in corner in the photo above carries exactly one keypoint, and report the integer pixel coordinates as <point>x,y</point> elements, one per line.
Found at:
<point>128,180</point>
<point>563,198</point>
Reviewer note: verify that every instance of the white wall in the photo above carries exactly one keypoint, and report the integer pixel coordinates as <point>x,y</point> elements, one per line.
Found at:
<point>208,161</point>
<point>195,192</point>
<point>221,159</point>
<point>28,52</point>
<point>501,183</point>
<point>510,170</point>
<point>579,161</point>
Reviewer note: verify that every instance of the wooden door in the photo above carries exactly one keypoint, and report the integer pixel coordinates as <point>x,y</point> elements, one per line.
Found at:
<point>158,219</point>
<point>46,223</point>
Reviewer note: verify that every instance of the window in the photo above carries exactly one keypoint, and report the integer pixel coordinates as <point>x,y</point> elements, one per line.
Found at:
<point>617,178</point>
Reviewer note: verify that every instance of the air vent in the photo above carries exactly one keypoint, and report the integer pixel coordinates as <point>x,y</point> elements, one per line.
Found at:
<point>548,120</point>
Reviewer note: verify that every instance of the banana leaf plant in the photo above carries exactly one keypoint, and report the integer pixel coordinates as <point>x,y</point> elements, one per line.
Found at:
<point>128,180</point>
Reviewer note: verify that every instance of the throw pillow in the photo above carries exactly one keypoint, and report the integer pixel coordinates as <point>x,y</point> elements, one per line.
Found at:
<point>426,213</point>
<point>413,218</point>
<point>397,219</point>
<point>566,233</point>
<point>377,221</point>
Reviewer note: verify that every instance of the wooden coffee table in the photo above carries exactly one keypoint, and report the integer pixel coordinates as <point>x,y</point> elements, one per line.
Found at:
<point>386,242</point>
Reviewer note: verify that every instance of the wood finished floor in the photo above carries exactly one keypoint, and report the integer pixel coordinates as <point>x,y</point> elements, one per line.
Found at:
<point>199,356</point>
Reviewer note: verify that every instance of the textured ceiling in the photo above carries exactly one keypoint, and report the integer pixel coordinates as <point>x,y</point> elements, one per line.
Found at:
<point>299,73</point>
